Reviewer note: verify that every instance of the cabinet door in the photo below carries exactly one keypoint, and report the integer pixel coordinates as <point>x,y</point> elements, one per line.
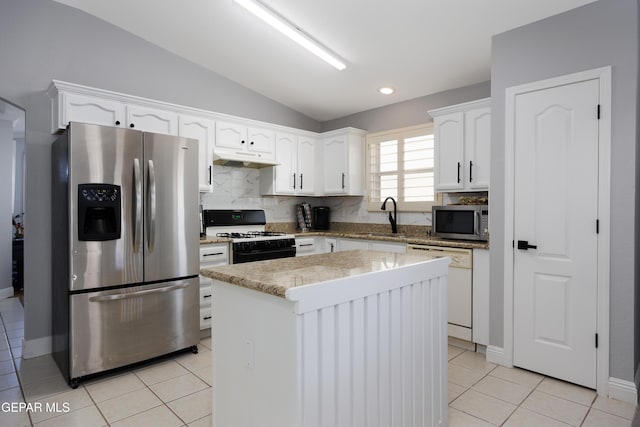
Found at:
<point>203,130</point>
<point>152,120</point>
<point>388,247</point>
<point>261,141</point>
<point>306,165</point>
<point>449,146</point>
<point>87,109</point>
<point>335,164</point>
<point>352,244</point>
<point>285,173</point>
<point>477,136</point>
<point>230,135</point>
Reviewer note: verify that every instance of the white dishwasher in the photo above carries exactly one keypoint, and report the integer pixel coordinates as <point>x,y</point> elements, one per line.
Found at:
<point>459,287</point>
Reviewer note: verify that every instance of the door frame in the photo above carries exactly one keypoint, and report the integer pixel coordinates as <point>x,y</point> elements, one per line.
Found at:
<point>604,205</point>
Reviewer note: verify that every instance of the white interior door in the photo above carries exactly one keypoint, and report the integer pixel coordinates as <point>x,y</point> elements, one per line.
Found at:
<point>555,212</point>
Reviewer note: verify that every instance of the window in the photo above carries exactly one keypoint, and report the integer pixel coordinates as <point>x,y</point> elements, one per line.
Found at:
<point>400,164</point>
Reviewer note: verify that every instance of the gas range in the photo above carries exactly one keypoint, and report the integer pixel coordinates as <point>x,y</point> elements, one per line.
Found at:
<point>249,240</point>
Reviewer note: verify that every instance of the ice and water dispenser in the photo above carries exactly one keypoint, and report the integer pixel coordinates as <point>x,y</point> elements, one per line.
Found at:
<point>99,216</point>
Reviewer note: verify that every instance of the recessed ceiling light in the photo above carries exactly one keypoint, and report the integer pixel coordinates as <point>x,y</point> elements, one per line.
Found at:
<point>292,31</point>
<point>386,90</point>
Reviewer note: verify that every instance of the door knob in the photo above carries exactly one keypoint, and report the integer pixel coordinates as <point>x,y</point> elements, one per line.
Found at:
<point>524,244</point>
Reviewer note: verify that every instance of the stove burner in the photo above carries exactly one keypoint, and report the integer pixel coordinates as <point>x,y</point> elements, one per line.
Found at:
<point>264,233</point>
<point>250,234</point>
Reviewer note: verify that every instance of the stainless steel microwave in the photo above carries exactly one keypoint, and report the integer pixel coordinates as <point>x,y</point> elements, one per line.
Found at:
<point>466,222</point>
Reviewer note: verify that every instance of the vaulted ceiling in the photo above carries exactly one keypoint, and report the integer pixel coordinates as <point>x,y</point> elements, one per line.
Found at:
<point>419,47</point>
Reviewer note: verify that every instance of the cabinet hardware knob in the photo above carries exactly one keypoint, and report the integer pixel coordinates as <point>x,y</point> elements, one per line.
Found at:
<point>117,122</point>
<point>132,125</point>
<point>242,142</point>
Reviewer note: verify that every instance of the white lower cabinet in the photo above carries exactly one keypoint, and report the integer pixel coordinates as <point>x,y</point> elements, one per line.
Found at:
<point>305,246</point>
<point>326,245</point>
<point>352,244</point>
<point>371,245</point>
<point>205,302</point>
<point>211,255</point>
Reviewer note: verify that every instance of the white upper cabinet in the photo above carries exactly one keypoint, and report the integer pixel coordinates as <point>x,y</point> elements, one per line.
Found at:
<point>477,133</point>
<point>307,160</point>
<point>107,110</point>
<point>293,161</point>
<point>72,107</point>
<point>449,151</point>
<point>462,143</point>
<point>244,141</point>
<point>343,159</point>
<point>203,130</point>
<point>152,120</point>
<point>296,169</point>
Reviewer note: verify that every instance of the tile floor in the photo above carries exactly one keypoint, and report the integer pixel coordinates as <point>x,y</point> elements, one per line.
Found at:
<point>177,392</point>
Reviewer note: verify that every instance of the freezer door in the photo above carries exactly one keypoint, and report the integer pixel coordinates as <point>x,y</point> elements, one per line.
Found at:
<point>103,157</point>
<point>172,231</point>
<point>110,329</point>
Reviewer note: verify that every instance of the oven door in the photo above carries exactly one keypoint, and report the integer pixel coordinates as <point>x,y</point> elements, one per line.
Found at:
<point>261,255</point>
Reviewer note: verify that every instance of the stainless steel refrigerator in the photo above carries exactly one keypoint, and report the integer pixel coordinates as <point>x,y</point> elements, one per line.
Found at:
<point>124,247</point>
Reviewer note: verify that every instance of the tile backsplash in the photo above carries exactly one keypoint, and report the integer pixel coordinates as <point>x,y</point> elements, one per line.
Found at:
<point>239,188</point>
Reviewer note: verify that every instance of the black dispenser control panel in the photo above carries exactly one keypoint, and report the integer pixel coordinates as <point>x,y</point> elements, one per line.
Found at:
<point>99,212</point>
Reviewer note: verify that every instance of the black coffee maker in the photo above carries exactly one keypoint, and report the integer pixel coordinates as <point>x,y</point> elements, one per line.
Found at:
<point>321,217</point>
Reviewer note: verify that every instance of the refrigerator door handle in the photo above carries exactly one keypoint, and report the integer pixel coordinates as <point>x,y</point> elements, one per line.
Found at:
<point>130,295</point>
<point>137,206</point>
<point>151,194</point>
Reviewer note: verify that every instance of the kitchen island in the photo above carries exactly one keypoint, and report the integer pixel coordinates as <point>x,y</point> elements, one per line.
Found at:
<point>355,338</point>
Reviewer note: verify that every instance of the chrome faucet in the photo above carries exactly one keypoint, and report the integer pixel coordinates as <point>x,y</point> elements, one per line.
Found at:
<point>392,218</point>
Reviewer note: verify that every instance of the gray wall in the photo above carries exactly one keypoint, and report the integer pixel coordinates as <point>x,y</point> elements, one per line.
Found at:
<point>596,35</point>
<point>411,112</point>
<point>44,40</point>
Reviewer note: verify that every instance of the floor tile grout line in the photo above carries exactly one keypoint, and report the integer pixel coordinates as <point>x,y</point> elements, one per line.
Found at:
<point>15,367</point>
<point>165,403</point>
<point>589,408</point>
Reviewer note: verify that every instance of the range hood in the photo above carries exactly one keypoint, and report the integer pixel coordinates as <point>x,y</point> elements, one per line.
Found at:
<point>241,159</point>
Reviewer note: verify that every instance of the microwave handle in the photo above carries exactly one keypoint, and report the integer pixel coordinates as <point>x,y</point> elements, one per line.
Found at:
<point>476,223</point>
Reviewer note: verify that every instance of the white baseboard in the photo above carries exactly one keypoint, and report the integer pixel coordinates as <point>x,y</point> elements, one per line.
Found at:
<point>6,292</point>
<point>456,342</point>
<point>623,390</point>
<point>36,347</point>
<point>496,355</point>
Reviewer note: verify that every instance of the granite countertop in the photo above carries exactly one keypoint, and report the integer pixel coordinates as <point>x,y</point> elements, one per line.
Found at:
<point>276,276</point>
<point>213,239</point>
<point>400,238</point>
<point>416,238</point>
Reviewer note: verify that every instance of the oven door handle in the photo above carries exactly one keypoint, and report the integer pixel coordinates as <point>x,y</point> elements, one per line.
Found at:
<point>239,257</point>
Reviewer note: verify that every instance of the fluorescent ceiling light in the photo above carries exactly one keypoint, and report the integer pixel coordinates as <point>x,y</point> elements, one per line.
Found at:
<point>291,31</point>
